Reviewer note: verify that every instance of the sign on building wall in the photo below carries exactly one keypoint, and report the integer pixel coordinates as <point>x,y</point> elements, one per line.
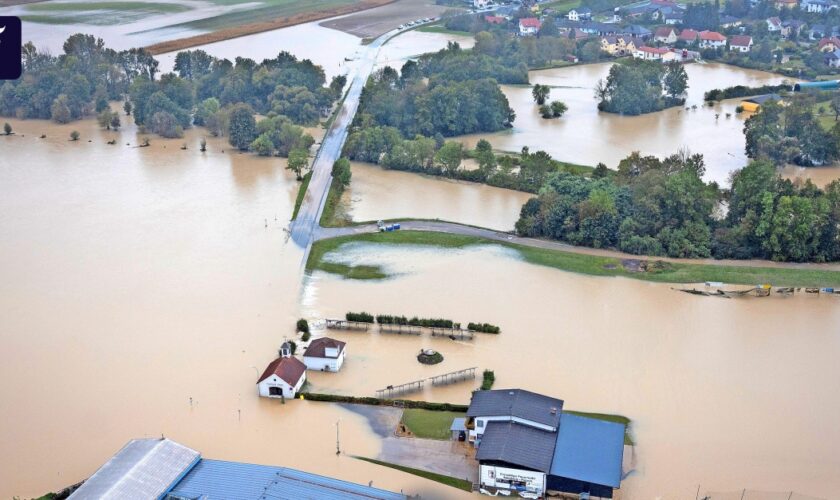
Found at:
<point>514,479</point>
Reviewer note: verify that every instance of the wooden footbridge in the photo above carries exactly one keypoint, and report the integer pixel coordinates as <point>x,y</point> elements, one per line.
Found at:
<point>343,324</point>
<point>396,390</point>
<point>453,377</point>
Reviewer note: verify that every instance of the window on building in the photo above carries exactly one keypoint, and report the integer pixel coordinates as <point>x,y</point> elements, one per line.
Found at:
<point>479,423</point>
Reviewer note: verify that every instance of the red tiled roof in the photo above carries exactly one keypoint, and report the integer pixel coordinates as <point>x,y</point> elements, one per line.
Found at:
<point>741,40</point>
<point>288,369</point>
<point>832,40</point>
<point>494,19</point>
<point>712,36</point>
<point>653,50</point>
<point>529,22</point>
<point>688,35</point>
<point>318,347</point>
<point>664,31</point>
<point>775,20</point>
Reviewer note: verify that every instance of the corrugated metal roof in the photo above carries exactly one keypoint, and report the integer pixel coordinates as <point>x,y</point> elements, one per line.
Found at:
<point>516,403</point>
<point>517,444</point>
<point>218,479</point>
<point>589,450</point>
<point>458,424</point>
<point>143,469</point>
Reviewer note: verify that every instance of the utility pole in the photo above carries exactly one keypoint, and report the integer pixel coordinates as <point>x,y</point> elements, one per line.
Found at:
<point>337,444</point>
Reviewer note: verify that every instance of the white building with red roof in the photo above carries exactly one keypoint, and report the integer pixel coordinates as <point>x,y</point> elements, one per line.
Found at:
<point>688,35</point>
<point>529,26</point>
<point>741,43</point>
<point>283,377</point>
<point>712,39</point>
<point>650,53</point>
<point>665,34</point>
<point>325,354</point>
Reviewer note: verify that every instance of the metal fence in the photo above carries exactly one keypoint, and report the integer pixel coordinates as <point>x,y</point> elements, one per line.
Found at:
<point>756,495</point>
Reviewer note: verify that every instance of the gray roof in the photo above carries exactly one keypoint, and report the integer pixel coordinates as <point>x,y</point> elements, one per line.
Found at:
<point>142,469</point>
<point>516,403</point>
<point>458,424</point>
<point>517,444</point>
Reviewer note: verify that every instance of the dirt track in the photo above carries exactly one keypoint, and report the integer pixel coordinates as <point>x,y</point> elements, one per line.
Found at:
<point>374,22</point>
<point>272,24</point>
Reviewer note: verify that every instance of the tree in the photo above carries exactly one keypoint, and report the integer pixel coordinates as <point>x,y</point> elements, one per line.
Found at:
<point>203,144</point>
<point>540,93</point>
<point>60,111</point>
<point>263,145</point>
<point>558,108</point>
<point>166,125</point>
<point>115,121</point>
<point>104,119</point>
<point>545,111</point>
<point>302,326</point>
<point>449,156</point>
<point>242,127</point>
<point>675,80</point>
<point>74,135</point>
<point>835,107</point>
<point>341,172</point>
<point>7,129</point>
<point>298,161</point>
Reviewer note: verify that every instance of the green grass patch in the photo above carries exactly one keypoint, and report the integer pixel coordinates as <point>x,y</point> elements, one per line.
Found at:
<point>588,264</point>
<point>304,185</point>
<point>439,28</point>
<point>461,484</point>
<point>331,216</point>
<point>619,419</point>
<point>269,9</point>
<point>429,424</point>
<point>152,7</point>
<point>562,5</point>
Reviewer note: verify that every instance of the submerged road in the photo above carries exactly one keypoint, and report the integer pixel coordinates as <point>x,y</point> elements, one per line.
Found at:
<point>309,215</point>
<point>323,233</point>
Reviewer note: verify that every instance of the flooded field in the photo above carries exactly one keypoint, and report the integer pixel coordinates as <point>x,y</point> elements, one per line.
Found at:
<point>373,22</point>
<point>586,136</point>
<point>376,193</point>
<point>821,176</point>
<point>727,394</point>
<point>136,280</point>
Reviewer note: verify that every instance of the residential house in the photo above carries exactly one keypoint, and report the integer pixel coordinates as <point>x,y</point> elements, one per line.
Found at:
<point>325,354</point>
<point>786,4</point>
<point>829,44</point>
<point>711,39</point>
<point>495,19</point>
<point>817,6</point>
<point>581,14</point>
<point>774,24</point>
<point>159,468</point>
<point>817,32</point>
<point>618,45</point>
<point>529,26</point>
<point>689,36</point>
<point>283,377</point>
<point>740,43</point>
<point>529,446</point>
<point>675,17</point>
<point>650,53</point>
<point>832,59</point>
<point>481,4</point>
<point>636,31</point>
<point>665,34</point>
<point>729,22</point>
<point>792,27</point>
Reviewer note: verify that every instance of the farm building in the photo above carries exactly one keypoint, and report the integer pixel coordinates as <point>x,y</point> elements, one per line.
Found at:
<point>754,103</point>
<point>527,444</point>
<point>163,469</point>
<point>325,354</point>
<point>282,378</point>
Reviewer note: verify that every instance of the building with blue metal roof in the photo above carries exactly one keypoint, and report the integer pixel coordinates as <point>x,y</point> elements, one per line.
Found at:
<point>161,469</point>
<point>222,480</point>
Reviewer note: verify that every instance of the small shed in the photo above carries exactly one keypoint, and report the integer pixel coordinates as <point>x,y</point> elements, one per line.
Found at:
<point>753,103</point>
<point>459,429</point>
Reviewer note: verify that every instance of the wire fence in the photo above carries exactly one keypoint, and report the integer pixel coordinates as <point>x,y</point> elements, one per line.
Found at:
<point>756,495</point>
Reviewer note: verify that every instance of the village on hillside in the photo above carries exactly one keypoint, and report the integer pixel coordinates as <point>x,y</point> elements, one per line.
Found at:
<point>791,37</point>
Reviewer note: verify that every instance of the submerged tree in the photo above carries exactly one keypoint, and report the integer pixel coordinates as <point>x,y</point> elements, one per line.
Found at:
<point>540,93</point>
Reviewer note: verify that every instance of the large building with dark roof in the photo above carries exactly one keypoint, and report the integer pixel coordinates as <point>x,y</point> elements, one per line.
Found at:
<point>526,443</point>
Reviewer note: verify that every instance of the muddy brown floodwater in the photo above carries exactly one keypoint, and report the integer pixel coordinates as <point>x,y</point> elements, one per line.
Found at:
<point>727,394</point>
<point>141,295</point>
<point>586,136</point>
<point>376,193</point>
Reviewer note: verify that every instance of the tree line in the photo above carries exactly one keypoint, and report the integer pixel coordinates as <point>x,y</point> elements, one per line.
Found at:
<point>664,208</point>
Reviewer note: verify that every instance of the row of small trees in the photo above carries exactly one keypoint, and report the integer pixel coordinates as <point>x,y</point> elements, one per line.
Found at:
<point>388,319</point>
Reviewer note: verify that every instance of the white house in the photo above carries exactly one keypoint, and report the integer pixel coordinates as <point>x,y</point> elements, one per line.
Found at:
<point>774,24</point>
<point>529,26</point>
<point>283,377</point>
<point>481,4</point>
<point>741,43</point>
<point>581,14</point>
<point>665,34</point>
<point>650,53</point>
<point>325,354</point>
<point>818,6</point>
<point>712,39</point>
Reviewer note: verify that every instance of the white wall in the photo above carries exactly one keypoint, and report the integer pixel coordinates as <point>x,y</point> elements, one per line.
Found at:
<point>289,391</point>
<point>478,431</point>
<point>501,477</point>
<point>325,364</point>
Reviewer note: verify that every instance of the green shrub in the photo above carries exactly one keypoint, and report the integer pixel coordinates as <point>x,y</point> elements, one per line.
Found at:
<point>302,326</point>
<point>489,378</point>
<point>483,327</point>
<point>305,337</point>
<point>361,317</point>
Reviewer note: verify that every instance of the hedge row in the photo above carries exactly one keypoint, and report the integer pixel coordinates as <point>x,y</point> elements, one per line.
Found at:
<point>483,327</point>
<point>743,91</point>
<point>488,379</point>
<point>407,403</point>
<point>361,317</point>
